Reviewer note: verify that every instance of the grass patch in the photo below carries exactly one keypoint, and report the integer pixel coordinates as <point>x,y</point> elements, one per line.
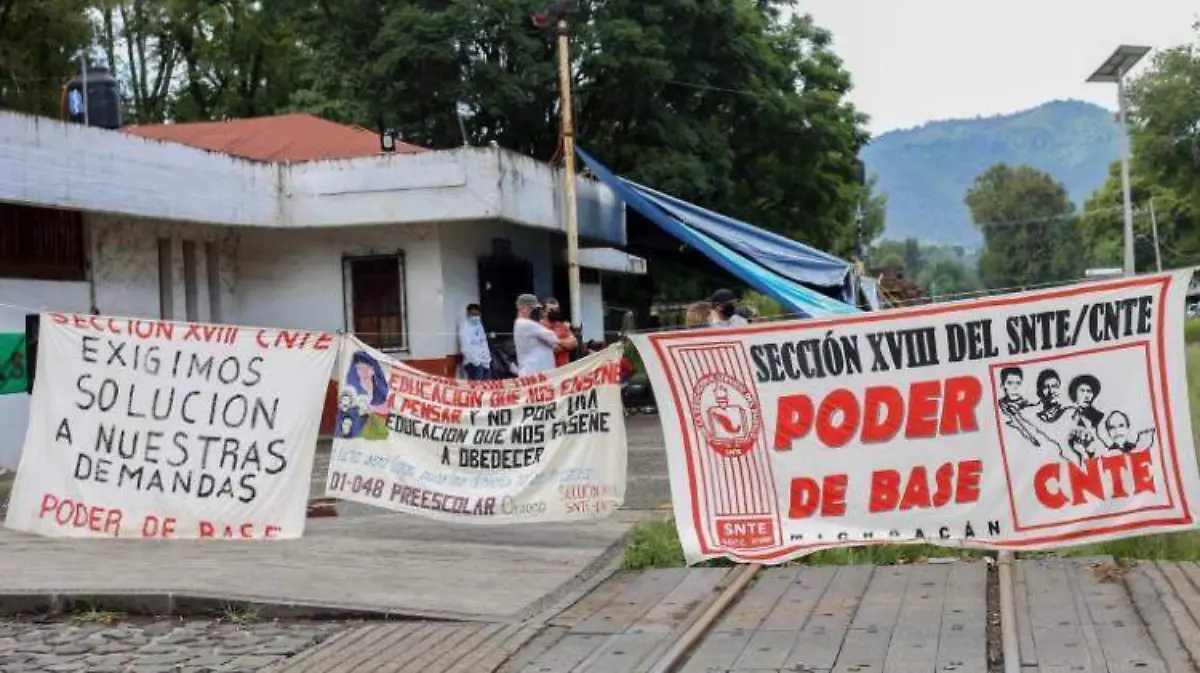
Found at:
<point>91,615</point>
<point>656,545</point>
<point>238,614</point>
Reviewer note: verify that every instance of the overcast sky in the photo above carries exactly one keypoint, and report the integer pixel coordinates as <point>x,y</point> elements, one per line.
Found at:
<point>915,61</point>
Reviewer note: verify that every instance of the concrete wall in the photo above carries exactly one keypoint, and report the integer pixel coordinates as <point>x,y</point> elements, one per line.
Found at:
<point>593,310</point>
<point>294,279</point>
<point>125,254</point>
<point>49,163</point>
<point>459,185</point>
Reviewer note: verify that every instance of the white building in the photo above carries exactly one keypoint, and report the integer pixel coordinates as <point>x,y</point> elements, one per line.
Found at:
<point>284,222</point>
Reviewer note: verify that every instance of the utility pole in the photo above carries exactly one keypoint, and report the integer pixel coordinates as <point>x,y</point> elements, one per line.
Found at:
<point>1113,71</point>
<point>554,16</point>
<point>568,140</point>
<point>1127,198</point>
<point>1154,230</point>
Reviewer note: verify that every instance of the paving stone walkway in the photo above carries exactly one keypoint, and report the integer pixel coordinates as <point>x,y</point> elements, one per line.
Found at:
<point>165,646</point>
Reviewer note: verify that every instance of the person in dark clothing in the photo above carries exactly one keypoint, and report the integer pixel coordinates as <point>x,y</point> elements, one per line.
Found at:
<point>1083,391</point>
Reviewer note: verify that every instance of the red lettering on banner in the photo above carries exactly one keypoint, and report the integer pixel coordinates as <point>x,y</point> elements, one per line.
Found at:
<point>748,533</point>
<point>433,413</point>
<point>402,384</point>
<point>952,482</point>
<point>153,527</point>
<point>607,374</point>
<point>237,531</point>
<point>73,514</point>
<point>1113,477</point>
<point>934,408</point>
<point>142,329</point>
<point>293,340</point>
<point>828,497</point>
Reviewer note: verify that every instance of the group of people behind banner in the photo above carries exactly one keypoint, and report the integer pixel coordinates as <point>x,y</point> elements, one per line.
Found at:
<point>541,342</point>
<point>721,310</point>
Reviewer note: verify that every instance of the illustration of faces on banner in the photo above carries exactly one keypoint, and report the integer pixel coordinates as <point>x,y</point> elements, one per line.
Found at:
<point>1058,407</point>
<point>362,400</point>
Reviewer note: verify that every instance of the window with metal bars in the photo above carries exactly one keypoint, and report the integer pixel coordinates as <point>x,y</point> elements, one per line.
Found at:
<point>374,291</point>
<point>42,243</point>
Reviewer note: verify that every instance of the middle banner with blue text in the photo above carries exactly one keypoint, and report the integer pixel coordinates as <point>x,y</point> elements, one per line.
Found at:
<point>544,448</point>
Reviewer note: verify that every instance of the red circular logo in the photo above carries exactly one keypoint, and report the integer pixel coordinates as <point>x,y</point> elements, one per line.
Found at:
<point>726,412</point>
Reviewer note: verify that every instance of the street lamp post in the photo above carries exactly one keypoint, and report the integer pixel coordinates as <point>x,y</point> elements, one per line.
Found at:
<point>555,14</point>
<point>1112,71</point>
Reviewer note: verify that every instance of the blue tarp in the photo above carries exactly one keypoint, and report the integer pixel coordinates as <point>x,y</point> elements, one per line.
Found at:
<point>780,268</point>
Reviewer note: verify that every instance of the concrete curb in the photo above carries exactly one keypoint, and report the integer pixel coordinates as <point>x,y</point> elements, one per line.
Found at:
<point>585,582</point>
<point>163,603</point>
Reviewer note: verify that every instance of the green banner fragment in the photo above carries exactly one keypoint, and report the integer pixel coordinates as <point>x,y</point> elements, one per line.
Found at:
<point>13,370</point>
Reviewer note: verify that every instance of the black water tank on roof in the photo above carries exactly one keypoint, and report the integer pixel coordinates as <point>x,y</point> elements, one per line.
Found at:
<point>103,99</point>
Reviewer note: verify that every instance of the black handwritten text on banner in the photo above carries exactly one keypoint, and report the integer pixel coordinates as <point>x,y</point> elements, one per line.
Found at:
<point>544,448</point>
<point>1018,422</point>
<point>151,429</point>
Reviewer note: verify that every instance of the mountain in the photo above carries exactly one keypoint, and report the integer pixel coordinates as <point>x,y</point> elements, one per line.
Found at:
<point>926,171</point>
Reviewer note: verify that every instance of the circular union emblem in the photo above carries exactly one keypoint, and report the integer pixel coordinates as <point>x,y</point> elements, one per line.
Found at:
<point>726,412</point>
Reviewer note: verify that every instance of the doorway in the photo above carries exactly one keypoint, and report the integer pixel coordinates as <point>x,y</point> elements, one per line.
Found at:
<point>502,278</point>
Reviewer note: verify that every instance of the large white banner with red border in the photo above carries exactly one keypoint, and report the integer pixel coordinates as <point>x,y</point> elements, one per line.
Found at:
<point>1021,422</point>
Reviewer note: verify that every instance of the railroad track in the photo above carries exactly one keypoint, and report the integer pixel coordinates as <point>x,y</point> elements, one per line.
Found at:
<point>1066,615</point>
<point>1079,615</point>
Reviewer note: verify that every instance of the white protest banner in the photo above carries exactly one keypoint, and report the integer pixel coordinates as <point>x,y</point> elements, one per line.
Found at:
<point>1022,422</point>
<point>545,448</point>
<point>140,428</point>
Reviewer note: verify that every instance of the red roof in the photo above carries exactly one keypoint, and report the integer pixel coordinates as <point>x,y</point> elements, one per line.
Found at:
<point>283,138</point>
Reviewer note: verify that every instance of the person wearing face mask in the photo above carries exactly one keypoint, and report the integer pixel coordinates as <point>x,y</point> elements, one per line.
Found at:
<point>552,320</point>
<point>473,344</point>
<point>725,314</point>
<point>534,342</point>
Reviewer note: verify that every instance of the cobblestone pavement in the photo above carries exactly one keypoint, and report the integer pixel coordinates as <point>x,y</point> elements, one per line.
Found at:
<point>166,646</point>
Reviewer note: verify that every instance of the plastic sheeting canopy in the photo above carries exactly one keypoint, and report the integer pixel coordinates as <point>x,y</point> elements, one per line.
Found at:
<point>779,267</point>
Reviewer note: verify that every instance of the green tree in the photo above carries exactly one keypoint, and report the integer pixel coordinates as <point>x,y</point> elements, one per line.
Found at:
<point>1029,227</point>
<point>187,60</point>
<point>723,102</point>
<point>946,276</point>
<point>39,41</point>
<point>1165,133</point>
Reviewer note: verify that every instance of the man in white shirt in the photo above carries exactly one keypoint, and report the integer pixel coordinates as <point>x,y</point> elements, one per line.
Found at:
<point>473,344</point>
<point>724,304</point>
<point>534,343</point>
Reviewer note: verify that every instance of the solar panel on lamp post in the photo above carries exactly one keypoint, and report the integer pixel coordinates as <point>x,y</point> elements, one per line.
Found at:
<point>1112,71</point>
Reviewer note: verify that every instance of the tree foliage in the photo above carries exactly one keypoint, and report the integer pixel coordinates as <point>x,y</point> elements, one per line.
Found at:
<point>1165,172</point>
<point>39,41</point>
<point>738,105</point>
<point>1029,227</point>
<point>939,270</point>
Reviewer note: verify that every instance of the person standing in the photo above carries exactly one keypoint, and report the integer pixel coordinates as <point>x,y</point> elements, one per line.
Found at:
<point>473,344</point>
<point>725,314</point>
<point>698,314</point>
<point>552,320</point>
<point>534,343</point>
